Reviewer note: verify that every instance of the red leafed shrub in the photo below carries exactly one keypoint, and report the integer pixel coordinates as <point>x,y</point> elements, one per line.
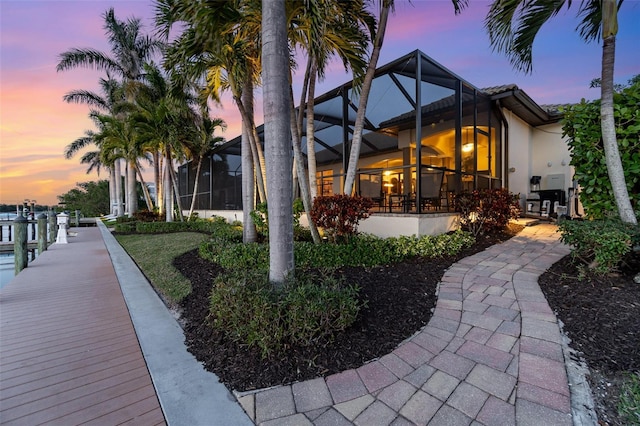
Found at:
<point>339,215</point>
<point>487,210</point>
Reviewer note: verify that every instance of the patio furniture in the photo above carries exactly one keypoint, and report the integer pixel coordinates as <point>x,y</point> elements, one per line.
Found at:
<point>371,186</point>
<point>396,201</point>
<point>430,188</point>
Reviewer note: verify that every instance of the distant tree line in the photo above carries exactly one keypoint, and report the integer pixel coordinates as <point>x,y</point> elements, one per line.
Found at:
<point>11,208</point>
<point>91,198</point>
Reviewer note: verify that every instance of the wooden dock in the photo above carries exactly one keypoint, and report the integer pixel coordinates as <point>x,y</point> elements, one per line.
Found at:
<point>69,354</point>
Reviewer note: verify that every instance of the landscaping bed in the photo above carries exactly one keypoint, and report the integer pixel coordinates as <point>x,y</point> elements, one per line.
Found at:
<point>601,316</point>
<point>399,302</point>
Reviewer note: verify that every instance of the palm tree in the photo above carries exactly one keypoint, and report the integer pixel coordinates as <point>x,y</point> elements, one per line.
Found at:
<point>202,145</point>
<point>106,103</point>
<point>322,28</point>
<point>275,59</point>
<point>221,43</point>
<point>129,50</point>
<point>164,120</point>
<point>512,28</point>
<point>249,231</point>
<point>356,141</point>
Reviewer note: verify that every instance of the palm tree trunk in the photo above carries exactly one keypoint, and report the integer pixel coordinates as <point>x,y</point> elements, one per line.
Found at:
<point>126,188</point>
<point>303,95</point>
<point>195,189</point>
<point>118,178</point>
<point>249,232</point>
<point>167,188</point>
<point>156,175</point>
<point>176,192</point>
<point>607,119</point>
<point>275,61</point>
<point>112,191</point>
<point>256,149</point>
<point>145,190</point>
<point>299,168</point>
<point>160,195</point>
<point>356,141</point>
<point>132,189</point>
<point>311,143</point>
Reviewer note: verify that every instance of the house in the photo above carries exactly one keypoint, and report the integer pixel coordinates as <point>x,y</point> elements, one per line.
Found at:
<point>469,138</point>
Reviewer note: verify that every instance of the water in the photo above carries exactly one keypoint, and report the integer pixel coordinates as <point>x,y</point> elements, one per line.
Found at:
<point>7,268</point>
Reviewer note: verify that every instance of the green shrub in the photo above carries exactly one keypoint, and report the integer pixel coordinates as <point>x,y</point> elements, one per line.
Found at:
<point>246,308</point>
<point>427,246</point>
<point>487,210</point>
<point>581,124</point>
<point>128,227</point>
<point>339,215</point>
<point>237,255</point>
<point>216,226</point>
<point>260,218</point>
<point>629,404</point>
<point>125,219</point>
<point>161,227</point>
<point>301,233</point>
<point>147,216</point>
<point>360,250</point>
<point>601,244</point>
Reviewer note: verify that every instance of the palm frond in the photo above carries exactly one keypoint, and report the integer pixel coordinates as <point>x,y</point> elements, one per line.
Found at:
<point>89,58</point>
<point>514,24</point>
<point>86,97</point>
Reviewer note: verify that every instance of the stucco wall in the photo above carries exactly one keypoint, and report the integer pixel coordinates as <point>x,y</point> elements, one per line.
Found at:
<point>537,151</point>
<point>381,225</point>
<point>550,154</point>
<point>520,148</point>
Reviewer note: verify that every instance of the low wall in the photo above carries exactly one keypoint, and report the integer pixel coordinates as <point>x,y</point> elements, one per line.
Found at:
<point>379,224</point>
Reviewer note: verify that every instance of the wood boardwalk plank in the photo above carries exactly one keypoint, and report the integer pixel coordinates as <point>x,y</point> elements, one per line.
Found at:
<point>68,350</point>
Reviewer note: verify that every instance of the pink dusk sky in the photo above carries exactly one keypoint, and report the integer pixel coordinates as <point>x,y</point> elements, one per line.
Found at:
<point>36,125</point>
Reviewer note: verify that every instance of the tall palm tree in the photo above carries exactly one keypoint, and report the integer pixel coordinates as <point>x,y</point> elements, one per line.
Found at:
<point>356,141</point>
<point>165,120</point>
<point>130,49</point>
<point>118,138</point>
<point>275,61</point>
<point>106,103</point>
<point>202,145</point>
<point>513,27</point>
<point>322,28</point>
<point>221,43</point>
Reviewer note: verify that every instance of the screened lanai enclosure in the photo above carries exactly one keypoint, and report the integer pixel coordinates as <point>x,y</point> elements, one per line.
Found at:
<point>428,135</point>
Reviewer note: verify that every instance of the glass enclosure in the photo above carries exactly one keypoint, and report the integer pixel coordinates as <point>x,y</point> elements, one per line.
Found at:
<point>412,99</point>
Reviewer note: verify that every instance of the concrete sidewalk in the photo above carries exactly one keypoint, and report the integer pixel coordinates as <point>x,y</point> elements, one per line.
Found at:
<point>189,395</point>
<point>491,354</point>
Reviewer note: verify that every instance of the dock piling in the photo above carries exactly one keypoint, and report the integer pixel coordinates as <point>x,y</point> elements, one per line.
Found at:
<point>42,233</point>
<point>53,230</point>
<point>20,249</point>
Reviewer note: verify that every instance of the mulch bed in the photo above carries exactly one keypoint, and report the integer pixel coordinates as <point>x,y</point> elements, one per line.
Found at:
<point>399,298</point>
<point>601,316</point>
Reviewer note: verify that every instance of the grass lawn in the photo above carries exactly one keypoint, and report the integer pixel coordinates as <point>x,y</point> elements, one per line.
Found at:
<point>154,255</point>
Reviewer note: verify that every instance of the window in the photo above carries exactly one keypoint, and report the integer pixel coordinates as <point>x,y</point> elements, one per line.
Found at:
<point>324,181</point>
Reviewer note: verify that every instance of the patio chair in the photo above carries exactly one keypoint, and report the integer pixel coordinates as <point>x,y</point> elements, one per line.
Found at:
<point>430,188</point>
<point>397,201</point>
<point>371,189</point>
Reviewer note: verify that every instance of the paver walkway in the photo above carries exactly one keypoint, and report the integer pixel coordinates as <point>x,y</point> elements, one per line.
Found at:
<point>490,355</point>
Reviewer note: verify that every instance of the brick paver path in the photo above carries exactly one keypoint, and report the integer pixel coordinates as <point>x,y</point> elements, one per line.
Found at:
<point>490,355</point>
